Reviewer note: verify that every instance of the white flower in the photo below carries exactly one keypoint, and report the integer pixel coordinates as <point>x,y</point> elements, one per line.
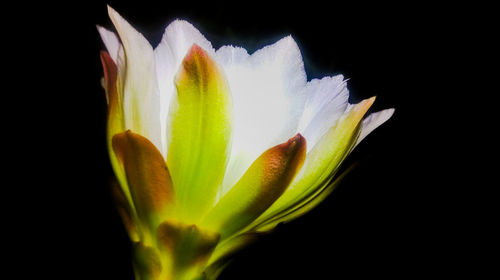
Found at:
<point>209,146</point>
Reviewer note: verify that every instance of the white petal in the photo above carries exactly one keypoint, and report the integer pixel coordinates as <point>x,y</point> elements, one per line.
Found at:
<point>268,89</point>
<point>326,101</point>
<point>373,121</point>
<point>279,81</point>
<point>165,73</point>
<point>115,50</point>
<point>140,92</point>
<point>178,37</point>
<point>232,57</point>
<point>110,40</point>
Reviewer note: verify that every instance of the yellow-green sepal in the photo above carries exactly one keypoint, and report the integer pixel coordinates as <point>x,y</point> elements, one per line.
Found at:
<point>264,182</point>
<point>115,121</point>
<point>115,125</point>
<point>148,179</point>
<point>199,133</point>
<point>321,162</point>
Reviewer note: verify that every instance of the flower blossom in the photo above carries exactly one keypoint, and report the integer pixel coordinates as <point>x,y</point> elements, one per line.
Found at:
<point>213,147</point>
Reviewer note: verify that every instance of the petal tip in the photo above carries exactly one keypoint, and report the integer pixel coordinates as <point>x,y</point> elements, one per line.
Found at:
<point>103,53</point>
<point>197,62</point>
<point>195,47</point>
<point>295,145</point>
<point>298,139</point>
<point>389,112</point>
<point>118,21</point>
<point>371,99</point>
<point>289,40</point>
<point>195,50</point>
<point>111,11</point>
<point>115,17</point>
<point>180,22</point>
<point>366,104</point>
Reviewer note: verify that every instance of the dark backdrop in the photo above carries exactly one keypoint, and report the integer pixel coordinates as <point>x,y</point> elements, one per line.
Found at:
<point>381,221</point>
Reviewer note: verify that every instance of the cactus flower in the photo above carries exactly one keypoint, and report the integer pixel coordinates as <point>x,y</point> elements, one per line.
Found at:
<point>213,147</point>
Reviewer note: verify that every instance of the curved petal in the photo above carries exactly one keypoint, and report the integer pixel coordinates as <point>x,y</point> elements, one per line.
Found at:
<point>326,101</point>
<point>140,92</point>
<point>111,42</point>
<point>177,39</point>
<point>147,176</point>
<point>268,93</point>
<point>323,160</point>
<point>263,183</point>
<point>373,121</point>
<point>115,122</point>
<point>199,133</point>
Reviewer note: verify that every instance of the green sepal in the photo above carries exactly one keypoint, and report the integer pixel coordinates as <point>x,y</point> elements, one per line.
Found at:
<point>322,162</point>
<point>199,133</point>
<point>264,182</point>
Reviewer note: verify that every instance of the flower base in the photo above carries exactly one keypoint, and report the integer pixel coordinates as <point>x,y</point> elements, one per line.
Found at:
<point>179,252</point>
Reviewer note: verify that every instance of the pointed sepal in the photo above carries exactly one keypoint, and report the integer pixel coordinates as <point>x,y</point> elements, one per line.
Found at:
<point>147,176</point>
<point>199,133</point>
<point>322,161</point>
<point>260,186</point>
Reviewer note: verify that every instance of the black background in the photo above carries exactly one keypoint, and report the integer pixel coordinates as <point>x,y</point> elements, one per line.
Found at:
<point>387,219</point>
